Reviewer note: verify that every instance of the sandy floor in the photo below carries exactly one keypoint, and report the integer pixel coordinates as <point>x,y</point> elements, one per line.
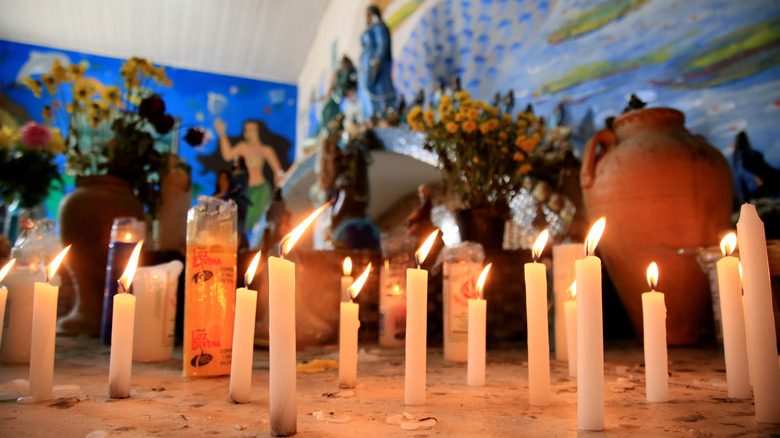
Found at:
<point>163,403</point>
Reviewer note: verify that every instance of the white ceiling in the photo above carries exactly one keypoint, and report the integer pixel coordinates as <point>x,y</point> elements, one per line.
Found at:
<point>261,39</point>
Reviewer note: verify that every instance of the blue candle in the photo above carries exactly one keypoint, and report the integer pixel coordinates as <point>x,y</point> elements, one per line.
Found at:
<point>125,233</point>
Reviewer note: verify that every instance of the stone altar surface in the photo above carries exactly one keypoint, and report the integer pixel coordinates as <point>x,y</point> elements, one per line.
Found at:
<point>165,404</point>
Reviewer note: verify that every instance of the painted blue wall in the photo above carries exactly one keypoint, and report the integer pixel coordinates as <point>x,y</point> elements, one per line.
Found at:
<point>716,60</point>
<point>197,98</point>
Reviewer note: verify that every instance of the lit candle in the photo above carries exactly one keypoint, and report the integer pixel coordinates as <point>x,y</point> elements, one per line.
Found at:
<point>4,294</point>
<point>346,280</point>
<point>590,335</point>
<point>348,333</point>
<point>570,308</point>
<point>44,323</point>
<point>563,275</point>
<point>281,333</point>
<point>759,319</point>
<point>475,368</point>
<point>416,326</point>
<point>244,337</point>
<point>654,324</point>
<point>538,337</point>
<point>732,313</point>
<point>121,360</point>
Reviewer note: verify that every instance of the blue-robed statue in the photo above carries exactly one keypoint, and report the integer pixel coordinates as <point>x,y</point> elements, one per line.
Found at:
<point>375,82</point>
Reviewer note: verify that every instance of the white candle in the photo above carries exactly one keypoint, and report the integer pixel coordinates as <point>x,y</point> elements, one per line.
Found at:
<point>281,334</point>
<point>4,295</point>
<point>416,327</point>
<point>538,336</point>
<point>348,334</point>
<point>732,312</point>
<point>244,338</point>
<point>122,330</point>
<point>759,319</point>
<point>590,336</point>
<point>44,324</point>
<point>17,336</point>
<point>563,275</point>
<point>475,367</point>
<point>570,308</point>
<point>654,324</point>
<point>346,280</point>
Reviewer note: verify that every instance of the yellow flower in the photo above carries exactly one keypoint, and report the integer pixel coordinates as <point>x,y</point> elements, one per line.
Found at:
<point>507,118</point>
<point>158,73</point>
<point>76,71</point>
<point>445,108</point>
<point>8,136</point>
<point>428,117</point>
<point>414,115</point>
<point>486,127</point>
<point>462,95</point>
<point>493,111</point>
<point>460,117</point>
<point>35,85</point>
<point>82,90</point>
<point>469,126</point>
<point>59,72</point>
<point>473,114</point>
<point>57,143</point>
<point>524,168</point>
<point>49,82</point>
<point>112,96</point>
<point>452,127</point>
<point>445,100</point>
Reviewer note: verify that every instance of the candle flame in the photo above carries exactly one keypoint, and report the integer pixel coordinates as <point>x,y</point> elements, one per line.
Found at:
<point>652,275</point>
<point>740,271</point>
<point>354,290</point>
<point>541,241</point>
<point>422,253</point>
<point>289,240</point>
<point>347,267</point>
<point>594,236</point>
<point>728,244</point>
<point>397,290</point>
<point>128,236</point>
<point>573,290</point>
<point>481,280</point>
<point>127,278</point>
<point>6,268</point>
<point>52,268</point>
<point>250,272</point>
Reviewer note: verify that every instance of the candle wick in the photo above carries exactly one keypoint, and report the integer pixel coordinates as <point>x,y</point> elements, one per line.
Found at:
<point>121,286</point>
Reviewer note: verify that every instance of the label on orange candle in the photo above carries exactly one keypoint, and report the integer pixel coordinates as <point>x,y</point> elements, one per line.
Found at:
<point>210,296</point>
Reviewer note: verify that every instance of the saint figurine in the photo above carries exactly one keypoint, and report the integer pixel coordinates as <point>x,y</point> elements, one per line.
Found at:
<point>375,83</point>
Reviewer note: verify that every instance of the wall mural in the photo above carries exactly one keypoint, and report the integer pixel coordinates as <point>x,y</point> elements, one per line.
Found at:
<point>715,60</point>
<point>197,98</point>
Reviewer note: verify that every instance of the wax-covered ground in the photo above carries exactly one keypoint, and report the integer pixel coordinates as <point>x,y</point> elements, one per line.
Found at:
<point>166,404</point>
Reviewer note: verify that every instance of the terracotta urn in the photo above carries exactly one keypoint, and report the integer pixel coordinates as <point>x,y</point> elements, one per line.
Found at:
<point>665,193</point>
<point>85,217</point>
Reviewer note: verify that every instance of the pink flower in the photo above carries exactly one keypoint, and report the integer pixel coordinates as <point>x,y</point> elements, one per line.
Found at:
<point>35,135</point>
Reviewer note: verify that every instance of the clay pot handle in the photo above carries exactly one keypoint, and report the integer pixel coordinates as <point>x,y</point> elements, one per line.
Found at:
<point>604,138</point>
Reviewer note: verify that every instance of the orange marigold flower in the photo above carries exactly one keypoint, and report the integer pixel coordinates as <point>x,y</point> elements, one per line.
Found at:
<point>452,127</point>
<point>525,168</point>
<point>469,126</point>
<point>518,156</point>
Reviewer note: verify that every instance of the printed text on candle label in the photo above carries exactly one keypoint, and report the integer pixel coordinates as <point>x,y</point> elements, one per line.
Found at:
<point>201,340</point>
